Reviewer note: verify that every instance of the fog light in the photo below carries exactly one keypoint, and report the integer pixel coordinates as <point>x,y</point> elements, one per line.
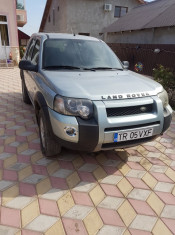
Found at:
<point>71,131</point>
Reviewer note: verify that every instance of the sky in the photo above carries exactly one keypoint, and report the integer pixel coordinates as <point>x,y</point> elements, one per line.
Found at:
<point>35,9</point>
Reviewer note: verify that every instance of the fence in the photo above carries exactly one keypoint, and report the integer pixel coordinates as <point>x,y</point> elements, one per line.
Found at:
<point>145,54</point>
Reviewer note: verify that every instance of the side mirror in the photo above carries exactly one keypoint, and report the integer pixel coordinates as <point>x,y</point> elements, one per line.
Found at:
<point>125,64</point>
<point>27,65</point>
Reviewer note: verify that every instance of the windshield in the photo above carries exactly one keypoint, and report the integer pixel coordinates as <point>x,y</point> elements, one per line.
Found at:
<point>78,54</point>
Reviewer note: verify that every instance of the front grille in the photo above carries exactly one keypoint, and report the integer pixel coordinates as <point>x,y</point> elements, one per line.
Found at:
<point>131,110</point>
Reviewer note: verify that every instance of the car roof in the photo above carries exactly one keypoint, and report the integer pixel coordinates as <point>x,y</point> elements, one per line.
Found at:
<point>64,36</point>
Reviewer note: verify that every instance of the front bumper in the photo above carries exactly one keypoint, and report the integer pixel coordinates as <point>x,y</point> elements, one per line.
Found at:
<point>98,133</point>
<point>86,138</point>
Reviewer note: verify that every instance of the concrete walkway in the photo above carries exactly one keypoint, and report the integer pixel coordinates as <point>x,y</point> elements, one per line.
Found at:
<point>128,191</point>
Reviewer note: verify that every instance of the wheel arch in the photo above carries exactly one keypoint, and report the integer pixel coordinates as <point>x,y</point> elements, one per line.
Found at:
<point>40,102</point>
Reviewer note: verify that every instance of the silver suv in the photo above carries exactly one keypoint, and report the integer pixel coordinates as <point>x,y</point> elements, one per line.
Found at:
<point>86,99</point>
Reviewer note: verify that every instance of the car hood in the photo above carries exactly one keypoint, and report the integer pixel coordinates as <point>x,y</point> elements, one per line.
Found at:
<point>99,85</point>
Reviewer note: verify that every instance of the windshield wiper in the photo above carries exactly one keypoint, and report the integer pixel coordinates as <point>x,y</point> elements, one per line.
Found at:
<point>61,67</point>
<point>90,69</point>
<point>106,68</point>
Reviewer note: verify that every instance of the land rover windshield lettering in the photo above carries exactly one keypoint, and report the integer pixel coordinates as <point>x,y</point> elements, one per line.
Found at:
<point>79,54</point>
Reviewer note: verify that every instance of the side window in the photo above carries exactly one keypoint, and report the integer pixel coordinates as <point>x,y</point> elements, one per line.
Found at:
<point>35,54</point>
<point>30,50</point>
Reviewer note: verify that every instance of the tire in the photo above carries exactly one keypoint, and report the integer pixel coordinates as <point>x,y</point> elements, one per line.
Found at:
<point>49,146</point>
<point>25,95</point>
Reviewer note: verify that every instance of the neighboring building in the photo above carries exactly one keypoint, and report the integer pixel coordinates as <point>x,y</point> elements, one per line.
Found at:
<point>152,23</point>
<point>23,38</point>
<point>12,15</point>
<point>85,17</point>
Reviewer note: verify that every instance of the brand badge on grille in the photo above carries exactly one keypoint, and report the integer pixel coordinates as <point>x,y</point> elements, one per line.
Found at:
<point>143,109</point>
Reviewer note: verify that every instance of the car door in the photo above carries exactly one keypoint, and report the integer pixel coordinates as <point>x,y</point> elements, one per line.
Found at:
<point>34,75</point>
<point>29,74</point>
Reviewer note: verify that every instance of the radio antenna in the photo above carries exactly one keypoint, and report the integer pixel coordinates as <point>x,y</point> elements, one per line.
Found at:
<point>72,31</point>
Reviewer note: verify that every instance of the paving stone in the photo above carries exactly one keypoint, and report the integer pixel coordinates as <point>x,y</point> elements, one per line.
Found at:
<point>78,212</point>
<point>156,204</point>
<point>160,169</point>
<point>127,213</point>
<point>111,162</point>
<point>5,184</point>
<point>54,194</point>
<point>20,202</point>
<point>168,212</point>
<point>136,173</point>
<point>124,186</point>
<point>110,229</point>
<point>20,171</point>
<point>139,194</point>
<point>6,230</point>
<point>34,179</point>
<point>137,183</point>
<point>65,203</point>
<point>93,218</point>
<point>167,198</point>
<point>43,223</point>
<point>111,203</point>
<point>170,224</point>
<point>164,187</point>
<point>99,174</point>
<point>26,207</point>
<point>110,217</point>
<point>84,187</point>
<point>144,222</point>
<point>160,228</point>
<point>170,173</point>
<point>8,159</point>
<point>97,195</point>
<point>111,179</point>
<point>62,173</point>
<point>74,227</point>
<point>142,207</point>
<point>111,190</point>
<point>81,198</point>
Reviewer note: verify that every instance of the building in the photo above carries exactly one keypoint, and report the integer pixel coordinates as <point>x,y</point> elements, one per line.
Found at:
<point>152,23</point>
<point>12,15</point>
<point>23,38</point>
<point>84,17</point>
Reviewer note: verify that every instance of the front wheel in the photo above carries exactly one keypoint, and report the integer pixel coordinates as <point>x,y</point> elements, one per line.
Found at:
<point>49,146</point>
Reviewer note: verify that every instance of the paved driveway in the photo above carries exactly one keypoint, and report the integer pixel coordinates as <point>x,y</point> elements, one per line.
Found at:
<point>128,191</point>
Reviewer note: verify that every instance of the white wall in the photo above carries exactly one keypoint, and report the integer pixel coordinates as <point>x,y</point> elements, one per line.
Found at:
<point>84,16</point>
<point>60,17</point>
<point>164,35</point>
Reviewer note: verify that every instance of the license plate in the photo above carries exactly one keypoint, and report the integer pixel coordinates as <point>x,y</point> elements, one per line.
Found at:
<point>132,135</point>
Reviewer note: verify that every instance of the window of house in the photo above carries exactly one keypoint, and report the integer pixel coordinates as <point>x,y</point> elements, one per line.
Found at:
<point>49,18</point>
<point>4,30</point>
<point>20,4</point>
<point>120,11</point>
<point>53,16</point>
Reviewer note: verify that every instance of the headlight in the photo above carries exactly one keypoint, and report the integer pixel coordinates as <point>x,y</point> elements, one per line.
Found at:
<point>73,107</point>
<point>164,98</point>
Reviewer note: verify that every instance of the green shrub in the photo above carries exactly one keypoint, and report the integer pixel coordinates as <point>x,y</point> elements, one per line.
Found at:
<point>166,78</point>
